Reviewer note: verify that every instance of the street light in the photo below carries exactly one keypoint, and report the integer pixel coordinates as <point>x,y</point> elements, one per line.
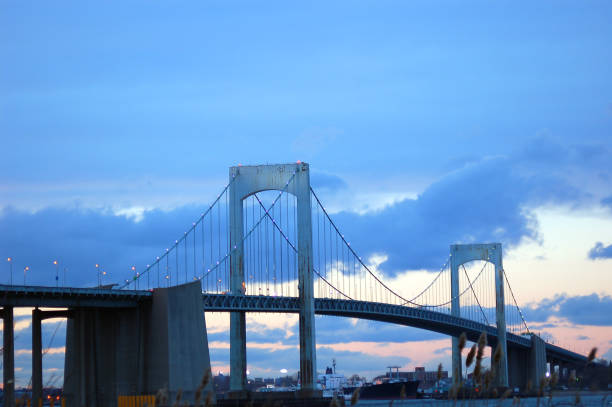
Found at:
<point>98,273</point>
<point>10,262</point>
<point>25,269</point>
<point>56,273</point>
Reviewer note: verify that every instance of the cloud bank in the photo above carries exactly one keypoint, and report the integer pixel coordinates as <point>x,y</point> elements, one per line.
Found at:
<point>593,309</point>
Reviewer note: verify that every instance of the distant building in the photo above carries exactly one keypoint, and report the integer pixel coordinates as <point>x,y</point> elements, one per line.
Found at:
<point>221,383</point>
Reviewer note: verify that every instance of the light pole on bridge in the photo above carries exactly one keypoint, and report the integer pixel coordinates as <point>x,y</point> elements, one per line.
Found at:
<point>136,276</point>
<point>10,262</point>
<point>55,262</point>
<point>25,270</point>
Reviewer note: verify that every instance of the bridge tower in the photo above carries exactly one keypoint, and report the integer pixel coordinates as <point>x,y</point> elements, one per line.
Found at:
<point>491,252</point>
<point>244,182</point>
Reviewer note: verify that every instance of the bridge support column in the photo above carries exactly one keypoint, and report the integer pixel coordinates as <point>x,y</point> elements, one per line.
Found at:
<point>8,357</point>
<point>456,312</point>
<point>518,367</point>
<point>308,355</point>
<point>37,369</point>
<point>538,360</point>
<point>36,357</point>
<point>238,361</point>
<point>500,315</point>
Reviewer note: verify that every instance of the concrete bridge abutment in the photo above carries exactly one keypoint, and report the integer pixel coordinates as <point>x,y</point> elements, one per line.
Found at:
<point>160,344</point>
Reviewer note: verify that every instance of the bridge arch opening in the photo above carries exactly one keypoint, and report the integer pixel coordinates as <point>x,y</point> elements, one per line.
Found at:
<point>270,244</point>
<point>477,291</point>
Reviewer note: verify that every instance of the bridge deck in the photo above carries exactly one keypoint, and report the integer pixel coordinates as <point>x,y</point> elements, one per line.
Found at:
<point>70,297</point>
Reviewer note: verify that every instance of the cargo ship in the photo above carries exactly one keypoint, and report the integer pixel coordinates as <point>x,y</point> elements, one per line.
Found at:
<point>390,389</point>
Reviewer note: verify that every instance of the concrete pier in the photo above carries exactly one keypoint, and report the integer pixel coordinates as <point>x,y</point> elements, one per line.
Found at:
<point>8,357</point>
<point>537,365</point>
<point>161,344</point>
<point>527,365</point>
<point>36,356</point>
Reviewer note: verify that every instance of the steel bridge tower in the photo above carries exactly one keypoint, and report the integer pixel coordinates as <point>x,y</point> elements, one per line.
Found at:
<point>491,252</point>
<point>244,182</point>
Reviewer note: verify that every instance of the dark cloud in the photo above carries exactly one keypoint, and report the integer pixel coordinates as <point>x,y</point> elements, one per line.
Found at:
<point>486,200</point>
<point>599,251</point>
<point>483,201</point>
<point>348,362</point>
<point>321,180</point>
<point>331,329</point>
<point>442,351</point>
<point>81,238</point>
<point>582,309</point>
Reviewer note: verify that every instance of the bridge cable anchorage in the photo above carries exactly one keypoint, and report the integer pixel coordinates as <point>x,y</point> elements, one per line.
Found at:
<point>515,302</point>
<point>193,227</point>
<point>475,296</point>
<point>252,230</point>
<point>295,249</point>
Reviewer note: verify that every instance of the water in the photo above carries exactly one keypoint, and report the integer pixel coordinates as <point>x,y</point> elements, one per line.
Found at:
<point>569,399</point>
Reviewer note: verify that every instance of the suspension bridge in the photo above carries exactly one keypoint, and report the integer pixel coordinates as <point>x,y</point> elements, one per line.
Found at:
<point>265,244</point>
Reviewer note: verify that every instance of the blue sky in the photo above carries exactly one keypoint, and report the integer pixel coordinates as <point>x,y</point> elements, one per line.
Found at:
<point>425,124</point>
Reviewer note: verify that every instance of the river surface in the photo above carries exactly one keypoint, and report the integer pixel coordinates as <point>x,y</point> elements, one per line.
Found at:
<point>560,400</point>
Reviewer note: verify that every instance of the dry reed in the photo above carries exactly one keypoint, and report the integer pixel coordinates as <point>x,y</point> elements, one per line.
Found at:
<point>208,401</point>
<point>498,354</point>
<point>462,341</point>
<point>355,397</point>
<point>200,388</point>
<point>470,356</point>
<point>179,396</point>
